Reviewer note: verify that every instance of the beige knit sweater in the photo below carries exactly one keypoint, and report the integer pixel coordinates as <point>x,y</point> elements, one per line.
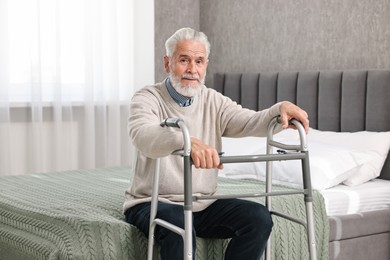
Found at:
<point>210,117</point>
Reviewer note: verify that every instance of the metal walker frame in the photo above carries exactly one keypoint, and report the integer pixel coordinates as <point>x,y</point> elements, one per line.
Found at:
<point>295,152</point>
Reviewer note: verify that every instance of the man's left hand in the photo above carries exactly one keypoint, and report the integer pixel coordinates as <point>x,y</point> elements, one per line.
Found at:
<point>289,111</point>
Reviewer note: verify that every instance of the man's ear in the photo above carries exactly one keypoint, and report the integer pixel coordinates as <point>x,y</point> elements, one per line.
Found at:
<point>166,64</point>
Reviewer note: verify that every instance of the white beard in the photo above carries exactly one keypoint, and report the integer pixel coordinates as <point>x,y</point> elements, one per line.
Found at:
<point>185,90</point>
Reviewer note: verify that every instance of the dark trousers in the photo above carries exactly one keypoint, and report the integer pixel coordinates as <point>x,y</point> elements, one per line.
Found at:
<point>247,223</point>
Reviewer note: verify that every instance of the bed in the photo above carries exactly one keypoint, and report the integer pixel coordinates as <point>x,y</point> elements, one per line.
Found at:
<point>78,214</point>
<point>341,105</point>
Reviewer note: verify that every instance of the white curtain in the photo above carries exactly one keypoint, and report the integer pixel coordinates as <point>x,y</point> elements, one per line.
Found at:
<point>66,77</point>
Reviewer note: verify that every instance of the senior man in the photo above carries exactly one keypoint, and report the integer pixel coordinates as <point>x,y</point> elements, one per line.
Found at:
<point>209,115</point>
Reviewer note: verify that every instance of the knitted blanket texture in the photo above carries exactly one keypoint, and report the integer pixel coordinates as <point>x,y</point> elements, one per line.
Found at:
<point>78,215</point>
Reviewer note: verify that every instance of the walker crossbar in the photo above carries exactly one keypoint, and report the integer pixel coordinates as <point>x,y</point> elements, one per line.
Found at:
<point>291,218</point>
<point>247,195</point>
<point>294,152</point>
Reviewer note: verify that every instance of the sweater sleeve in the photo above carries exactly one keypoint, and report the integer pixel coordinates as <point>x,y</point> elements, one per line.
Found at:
<point>146,134</point>
<point>239,122</point>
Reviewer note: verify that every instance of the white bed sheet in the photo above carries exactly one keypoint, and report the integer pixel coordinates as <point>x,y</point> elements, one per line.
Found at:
<point>370,196</point>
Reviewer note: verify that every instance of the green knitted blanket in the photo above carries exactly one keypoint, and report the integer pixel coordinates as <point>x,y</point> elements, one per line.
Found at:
<point>78,215</point>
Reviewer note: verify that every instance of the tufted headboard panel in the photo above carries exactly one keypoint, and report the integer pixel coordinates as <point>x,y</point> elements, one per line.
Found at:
<point>342,101</point>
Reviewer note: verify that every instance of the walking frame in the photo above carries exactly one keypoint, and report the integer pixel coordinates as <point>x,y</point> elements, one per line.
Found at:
<point>289,152</point>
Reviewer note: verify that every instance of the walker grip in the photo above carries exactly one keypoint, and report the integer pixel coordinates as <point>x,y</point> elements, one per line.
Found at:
<point>173,122</point>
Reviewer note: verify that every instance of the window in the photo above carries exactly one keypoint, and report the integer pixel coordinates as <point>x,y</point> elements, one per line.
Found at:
<point>74,50</point>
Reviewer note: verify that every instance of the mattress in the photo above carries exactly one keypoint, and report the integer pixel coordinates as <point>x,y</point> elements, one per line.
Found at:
<point>370,196</point>
<point>78,215</point>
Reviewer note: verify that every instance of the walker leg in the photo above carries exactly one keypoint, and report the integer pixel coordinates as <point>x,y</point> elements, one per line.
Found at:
<point>187,208</point>
<point>310,231</point>
<point>153,209</point>
<point>267,254</point>
<point>309,207</point>
<point>151,241</point>
<point>187,235</point>
<point>268,200</point>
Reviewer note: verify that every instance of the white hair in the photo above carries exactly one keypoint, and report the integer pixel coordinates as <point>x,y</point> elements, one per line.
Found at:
<point>186,34</point>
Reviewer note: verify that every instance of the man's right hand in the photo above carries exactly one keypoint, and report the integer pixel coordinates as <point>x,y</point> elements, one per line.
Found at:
<point>203,155</point>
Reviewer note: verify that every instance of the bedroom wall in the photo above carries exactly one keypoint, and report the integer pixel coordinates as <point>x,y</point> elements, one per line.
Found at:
<point>271,35</point>
<point>171,15</point>
<point>274,35</point>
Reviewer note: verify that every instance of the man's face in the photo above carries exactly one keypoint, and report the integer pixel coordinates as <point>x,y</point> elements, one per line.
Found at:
<point>187,67</point>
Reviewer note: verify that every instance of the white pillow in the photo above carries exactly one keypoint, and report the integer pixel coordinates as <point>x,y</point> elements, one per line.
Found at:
<point>334,158</point>
<point>375,144</point>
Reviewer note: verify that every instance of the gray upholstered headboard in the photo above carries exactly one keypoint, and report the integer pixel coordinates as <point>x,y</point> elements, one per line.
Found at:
<point>343,101</point>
